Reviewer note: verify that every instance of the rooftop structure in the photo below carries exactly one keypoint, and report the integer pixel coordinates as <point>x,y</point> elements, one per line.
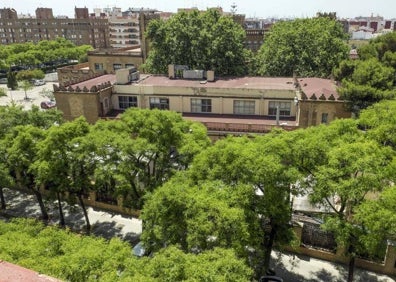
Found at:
<point>225,105</point>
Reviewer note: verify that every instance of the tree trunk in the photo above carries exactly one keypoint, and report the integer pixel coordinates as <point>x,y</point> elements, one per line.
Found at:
<point>135,192</point>
<point>61,217</point>
<point>85,212</point>
<point>268,247</point>
<point>263,261</point>
<point>351,268</point>
<point>3,203</point>
<point>44,213</point>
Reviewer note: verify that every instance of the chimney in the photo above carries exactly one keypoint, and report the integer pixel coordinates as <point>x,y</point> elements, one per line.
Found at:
<point>171,71</point>
<point>210,76</point>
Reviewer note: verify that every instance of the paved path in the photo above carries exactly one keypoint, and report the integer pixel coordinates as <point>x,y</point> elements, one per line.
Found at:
<point>297,268</point>
<point>104,224</point>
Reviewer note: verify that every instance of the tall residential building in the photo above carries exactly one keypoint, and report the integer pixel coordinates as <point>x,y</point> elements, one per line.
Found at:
<point>81,30</point>
<point>124,27</point>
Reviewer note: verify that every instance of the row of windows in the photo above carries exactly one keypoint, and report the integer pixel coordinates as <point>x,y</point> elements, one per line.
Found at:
<point>240,107</point>
<point>99,66</point>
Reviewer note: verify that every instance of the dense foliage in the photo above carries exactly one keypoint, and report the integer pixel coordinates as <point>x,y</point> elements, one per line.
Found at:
<point>371,78</point>
<point>73,257</point>
<point>45,52</point>
<point>200,40</point>
<point>303,47</point>
<point>128,157</point>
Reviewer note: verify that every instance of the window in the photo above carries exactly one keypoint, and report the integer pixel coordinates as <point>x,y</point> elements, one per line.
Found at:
<point>243,107</point>
<point>129,65</point>
<point>117,66</point>
<point>284,108</point>
<point>201,105</point>
<point>325,118</point>
<point>98,66</point>
<point>159,103</point>
<point>126,102</point>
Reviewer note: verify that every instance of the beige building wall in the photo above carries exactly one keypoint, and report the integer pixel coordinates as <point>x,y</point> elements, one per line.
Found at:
<point>312,111</point>
<point>91,105</point>
<point>222,98</point>
<point>106,62</point>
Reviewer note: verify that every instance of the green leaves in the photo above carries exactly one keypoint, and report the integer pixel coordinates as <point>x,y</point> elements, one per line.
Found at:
<point>45,51</point>
<point>205,41</point>
<point>303,47</point>
<point>372,78</point>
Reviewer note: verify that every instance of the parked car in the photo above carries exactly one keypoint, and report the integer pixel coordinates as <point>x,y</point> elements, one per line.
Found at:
<point>47,105</point>
<point>38,82</point>
<point>3,80</point>
<point>139,250</point>
<point>270,278</point>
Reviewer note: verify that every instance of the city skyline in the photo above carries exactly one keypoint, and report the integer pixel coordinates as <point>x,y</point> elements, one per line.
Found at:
<point>264,9</point>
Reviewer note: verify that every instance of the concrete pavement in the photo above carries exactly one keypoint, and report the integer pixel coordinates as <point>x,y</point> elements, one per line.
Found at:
<point>34,96</point>
<point>292,267</point>
<point>104,224</point>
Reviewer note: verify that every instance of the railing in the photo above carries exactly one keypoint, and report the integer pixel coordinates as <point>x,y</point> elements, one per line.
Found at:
<point>244,127</point>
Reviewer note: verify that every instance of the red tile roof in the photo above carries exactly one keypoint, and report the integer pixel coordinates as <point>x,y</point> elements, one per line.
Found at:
<point>320,87</point>
<point>270,83</point>
<point>13,273</point>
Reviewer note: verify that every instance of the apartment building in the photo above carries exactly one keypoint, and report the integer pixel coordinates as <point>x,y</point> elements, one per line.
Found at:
<point>80,30</point>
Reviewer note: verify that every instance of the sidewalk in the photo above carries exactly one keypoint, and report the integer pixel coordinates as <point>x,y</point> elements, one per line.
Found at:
<point>104,224</point>
<point>290,267</point>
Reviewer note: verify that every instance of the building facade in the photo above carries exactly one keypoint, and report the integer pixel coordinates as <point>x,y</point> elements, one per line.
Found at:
<point>230,105</point>
<point>113,59</point>
<point>80,30</point>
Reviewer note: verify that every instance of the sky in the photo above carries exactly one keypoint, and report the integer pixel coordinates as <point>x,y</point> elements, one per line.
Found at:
<point>251,8</point>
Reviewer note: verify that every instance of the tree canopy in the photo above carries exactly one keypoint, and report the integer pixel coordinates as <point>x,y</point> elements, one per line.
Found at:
<point>200,40</point>
<point>371,78</point>
<point>44,52</point>
<point>303,47</point>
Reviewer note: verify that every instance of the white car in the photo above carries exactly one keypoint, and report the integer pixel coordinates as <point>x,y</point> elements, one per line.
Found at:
<point>38,82</point>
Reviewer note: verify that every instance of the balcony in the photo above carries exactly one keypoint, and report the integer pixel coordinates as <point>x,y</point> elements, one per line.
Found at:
<point>233,124</point>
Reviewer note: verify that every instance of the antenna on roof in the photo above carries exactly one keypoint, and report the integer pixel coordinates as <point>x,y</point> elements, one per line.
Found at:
<point>233,8</point>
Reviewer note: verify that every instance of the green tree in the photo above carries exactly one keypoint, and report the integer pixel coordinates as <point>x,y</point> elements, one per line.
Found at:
<point>5,181</point>
<point>20,147</point>
<point>56,164</point>
<point>200,40</point>
<point>13,115</point>
<point>197,218</point>
<point>303,47</point>
<point>378,218</point>
<point>172,264</point>
<point>30,74</point>
<point>173,142</point>
<point>379,121</point>
<point>261,163</point>
<point>353,170</point>
<point>72,257</point>
<point>11,80</point>
<point>369,82</point>
<point>26,86</point>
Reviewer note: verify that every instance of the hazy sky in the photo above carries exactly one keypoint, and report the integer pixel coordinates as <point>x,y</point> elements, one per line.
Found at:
<point>251,8</point>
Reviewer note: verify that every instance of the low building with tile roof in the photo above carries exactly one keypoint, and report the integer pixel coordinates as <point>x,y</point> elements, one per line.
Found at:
<point>225,105</point>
